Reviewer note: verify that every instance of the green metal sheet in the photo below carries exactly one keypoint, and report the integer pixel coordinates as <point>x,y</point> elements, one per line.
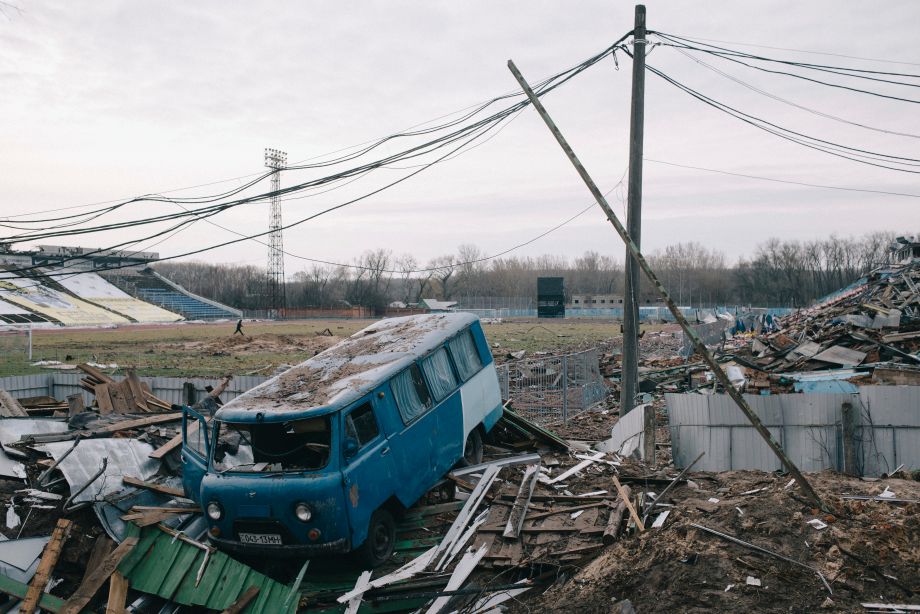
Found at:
<point>47,602</point>
<point>209,579</point>
<point>166,567</point>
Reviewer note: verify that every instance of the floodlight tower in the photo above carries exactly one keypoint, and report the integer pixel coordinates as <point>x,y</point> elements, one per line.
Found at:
<point>276,160</point>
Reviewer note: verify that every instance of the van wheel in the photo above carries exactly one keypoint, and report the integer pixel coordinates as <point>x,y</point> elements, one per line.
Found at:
<point>472,454</point>
<point>381,537</point>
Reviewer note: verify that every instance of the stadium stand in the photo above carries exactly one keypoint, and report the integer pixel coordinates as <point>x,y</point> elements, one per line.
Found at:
<point>154,288</point>
<point>33,296</point>
<point>95,289</point>
<point>14,314</point>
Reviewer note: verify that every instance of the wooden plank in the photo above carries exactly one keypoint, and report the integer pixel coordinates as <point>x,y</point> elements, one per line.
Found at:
<point>10,407</point>
<point>103,399</point>
<point>240,604</point>
<point>119,402</point>
<point>95,373</point>
<point>101,549</point>
<point>522,502</point>
<point>165,490</point>
<point>625,497</point>
<point>125,388</point>
<point>98,576</point>
<point>49,559</point>
<point>173,443</point>
<point>118,594</point>
<point>33,438</point>
<point>134,384</point>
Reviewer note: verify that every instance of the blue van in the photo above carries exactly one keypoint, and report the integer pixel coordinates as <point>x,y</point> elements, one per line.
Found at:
<point>320,458</point>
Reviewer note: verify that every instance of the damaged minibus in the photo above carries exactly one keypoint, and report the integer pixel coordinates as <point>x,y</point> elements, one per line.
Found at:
<point>323,457</point>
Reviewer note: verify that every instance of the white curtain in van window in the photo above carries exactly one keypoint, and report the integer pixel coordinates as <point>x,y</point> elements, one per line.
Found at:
<point>407,401</point>
<point>465,355</point>
<point>440,376</point>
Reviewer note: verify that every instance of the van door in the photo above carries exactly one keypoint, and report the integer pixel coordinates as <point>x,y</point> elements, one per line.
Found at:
<point>367,466</point>
<point>196,451</point>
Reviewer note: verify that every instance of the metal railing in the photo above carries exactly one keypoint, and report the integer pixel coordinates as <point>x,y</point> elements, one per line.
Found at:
<point>551,389</point>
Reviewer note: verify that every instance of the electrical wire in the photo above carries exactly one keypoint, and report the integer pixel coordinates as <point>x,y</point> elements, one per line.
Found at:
<point>762,92</point>
<point>850,153</point>
<point>466,135</point>
<point>787,181</point>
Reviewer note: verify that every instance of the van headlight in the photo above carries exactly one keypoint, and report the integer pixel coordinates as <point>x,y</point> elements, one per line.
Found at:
<point>303,512</point>
<point>215,511</point>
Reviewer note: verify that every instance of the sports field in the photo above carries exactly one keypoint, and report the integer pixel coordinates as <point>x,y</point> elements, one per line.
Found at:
<point>212,349</point>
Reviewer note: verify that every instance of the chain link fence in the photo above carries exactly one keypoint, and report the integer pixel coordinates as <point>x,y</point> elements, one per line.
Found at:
<point>15,348</point>
<point>552,389</point>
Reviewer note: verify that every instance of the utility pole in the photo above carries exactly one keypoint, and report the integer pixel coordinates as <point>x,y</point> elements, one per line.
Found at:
<point>275,295</point>
<point>630,366</point>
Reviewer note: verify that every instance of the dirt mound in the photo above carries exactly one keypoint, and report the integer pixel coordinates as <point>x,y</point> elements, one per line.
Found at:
<point>262,343</point>
<point>868,552</point>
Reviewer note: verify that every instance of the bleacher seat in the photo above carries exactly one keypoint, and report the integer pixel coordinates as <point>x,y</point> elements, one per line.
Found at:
<point>153,290</point>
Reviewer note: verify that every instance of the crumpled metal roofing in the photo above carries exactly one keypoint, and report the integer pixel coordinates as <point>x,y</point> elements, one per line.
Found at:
<point>168,567</point>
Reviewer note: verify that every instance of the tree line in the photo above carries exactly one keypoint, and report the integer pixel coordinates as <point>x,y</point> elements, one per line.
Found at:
<point>778,273</point>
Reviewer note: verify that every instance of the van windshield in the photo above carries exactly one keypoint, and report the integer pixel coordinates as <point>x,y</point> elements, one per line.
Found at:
<point>297,445</point>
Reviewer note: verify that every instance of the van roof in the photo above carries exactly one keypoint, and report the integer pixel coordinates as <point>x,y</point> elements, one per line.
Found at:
<point>343,373</point>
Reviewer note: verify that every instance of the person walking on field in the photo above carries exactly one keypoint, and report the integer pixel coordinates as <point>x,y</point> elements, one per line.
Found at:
<point>239,327</point>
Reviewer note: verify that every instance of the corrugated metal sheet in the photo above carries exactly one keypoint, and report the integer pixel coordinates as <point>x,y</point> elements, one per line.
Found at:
<point>60,385</point>
<point>808,426</point>
<point>162,566</point>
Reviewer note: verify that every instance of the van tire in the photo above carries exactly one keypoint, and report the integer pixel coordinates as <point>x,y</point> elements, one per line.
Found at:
<point>472,451</point>
<point>381,537</point>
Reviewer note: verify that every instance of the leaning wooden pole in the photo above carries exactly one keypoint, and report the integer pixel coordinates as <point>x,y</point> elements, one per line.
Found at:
<point>695,339</point>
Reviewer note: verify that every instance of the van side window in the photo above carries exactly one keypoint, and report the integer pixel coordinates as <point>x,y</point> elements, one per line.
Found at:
<point>466,356</point>
<point>439,374</point>
<point>361,425</point>
<point>412,398</point>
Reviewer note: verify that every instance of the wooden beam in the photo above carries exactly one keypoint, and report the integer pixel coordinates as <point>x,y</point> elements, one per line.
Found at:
<point>102,432</point>
<point>134,384</point>
<point>625,497</point>
<point>242,601</point>
<point>75,404</point>
<point>163,490</point>
<point>118,594</point>
<point>87,590</point>
<point>616,519</point>
<point>11,587</point>
<point>49,559</point>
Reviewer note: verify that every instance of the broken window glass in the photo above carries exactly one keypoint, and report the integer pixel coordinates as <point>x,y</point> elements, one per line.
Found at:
<point>412,398</point>
<point>440,376</point>
<point>466,356</point>
<point>361,425</point>
<point>296,445</point>
<point>195,437</point>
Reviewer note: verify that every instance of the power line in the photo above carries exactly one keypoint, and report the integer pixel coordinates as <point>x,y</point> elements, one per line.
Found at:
<point>790,74</point>
<point>762,92</point>
<point>812,51</point>
<point>788,181</point>
<point>862,156</point>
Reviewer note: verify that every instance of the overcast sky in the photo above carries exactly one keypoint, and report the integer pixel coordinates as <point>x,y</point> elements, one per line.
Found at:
<point>108,99</point>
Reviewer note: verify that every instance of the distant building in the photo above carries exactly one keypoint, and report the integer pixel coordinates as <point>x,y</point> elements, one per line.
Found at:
<point>906,249</point>
<point>550,297</point>
<point>595,301</point>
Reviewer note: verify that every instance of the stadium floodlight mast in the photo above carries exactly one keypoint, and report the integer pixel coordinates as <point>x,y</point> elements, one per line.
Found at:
<point>275,295</point>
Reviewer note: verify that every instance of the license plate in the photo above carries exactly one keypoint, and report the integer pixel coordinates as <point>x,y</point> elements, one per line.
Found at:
<point>261,538</point>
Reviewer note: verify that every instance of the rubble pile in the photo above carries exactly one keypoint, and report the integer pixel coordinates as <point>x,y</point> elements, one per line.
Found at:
<point>874,321</point>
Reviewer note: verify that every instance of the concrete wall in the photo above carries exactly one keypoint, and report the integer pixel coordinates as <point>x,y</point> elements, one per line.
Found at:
<point>808,426</point>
